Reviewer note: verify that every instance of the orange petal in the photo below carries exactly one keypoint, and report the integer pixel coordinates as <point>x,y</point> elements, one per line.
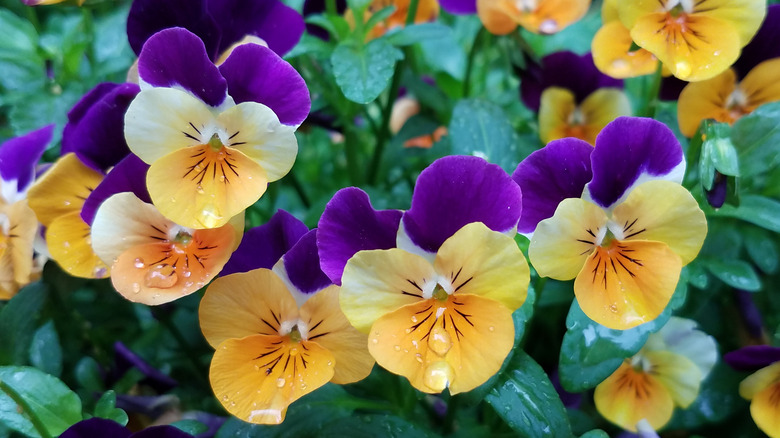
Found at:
<point>22,229</point>
<point>611,47</point>
<point>70,244</point>
<point>458,343</point>
<point>627,283</point>
<point>765,410</point>
<point>761,85</point>
<point>628,396</point>
<point>545,16</point>
<point>257,377</point>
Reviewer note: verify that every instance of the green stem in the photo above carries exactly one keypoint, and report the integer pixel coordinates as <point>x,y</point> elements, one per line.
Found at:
<point>19,400</point>
<point>449,419</point>
<point>524,46</point>
<point>298,187</point>
<point>89,30</point>
<point>330,7</point>
<point>651,98</point>
<point>412,13</point>
<point>32,17</point>
<point>470,62</point>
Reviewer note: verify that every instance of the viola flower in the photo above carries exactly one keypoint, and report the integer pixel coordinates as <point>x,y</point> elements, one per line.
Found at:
<point>753,81</point>
<point>18,224</point>
<point>665,373</point>
<point>47,2</point>
<point>612,47</point>
<point>404,108</point>
<point>101,427</point>
<point>459,7</point>
<point>427,10</point>
<point>438,307</point>
<point>614,218</point>
<point>762,387</point>
<point>213,154</point>
<point>501,17</point>
<point>694,40</point>
<point>279,334</point>
<point>572,105</point>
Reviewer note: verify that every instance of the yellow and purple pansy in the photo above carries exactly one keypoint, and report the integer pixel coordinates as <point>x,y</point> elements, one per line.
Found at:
<point>762,387</point>
<point>665,373</point>
<point>433,287</point>
<point>614,52</point>
<point>614,217</point>
<point>276,325</point>
<point>213,136</point>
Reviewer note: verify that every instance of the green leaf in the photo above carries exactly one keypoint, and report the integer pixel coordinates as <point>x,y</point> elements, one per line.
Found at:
<point>526,399</point>
<point>379,16</point>
<point>192,427</point>
<point>360,426</point>
<point>595,433</point>
<point>21,68</point>
<point>357,5</point>
<point>761,248</point>
<point>18,321</point>
<point>756,138</point>
<point>106,408</point>
<point>736,273</point>
<point>43,399</point>
<point>719,150</point>
<point>591,352</point>
<point>755,209</point>
<point>364,71</point>
<point>45,350</point>
<point>88,374</point>
<point>481,128</point>
<point>417,33</point>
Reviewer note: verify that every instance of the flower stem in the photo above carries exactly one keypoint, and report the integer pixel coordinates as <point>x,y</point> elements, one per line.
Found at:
<point>298,187</point>
<point>31,415</point>
<point>651,98</point>
<point>470,62</point>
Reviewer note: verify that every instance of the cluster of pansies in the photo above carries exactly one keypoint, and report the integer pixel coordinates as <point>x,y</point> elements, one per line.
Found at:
<point>155,180</point>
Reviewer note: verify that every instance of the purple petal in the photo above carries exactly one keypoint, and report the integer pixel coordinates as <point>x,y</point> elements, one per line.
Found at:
<point>753,357</point>
<point>148,17</point>
<point>455,191</point>
<point>152,406</point>
<point>302,263</point>
<point>556,71</point>
<point>311,7</point>
<point>751,316</point>
<point>264,245</point>
<point>127,176</point>
<point>275,23</point>
<point>213,422</point>
<point>629,148</point>
<point>350,224</point>
<point>164,431</point>
<point>125,360</point>
<point>558,171</point>
<point>459,7</point>
<point>96,427</point>
<point>569,399</point>
<point>95,128</point>
<point>256,74</point>
<point>20,155</point>
<point>178,57</point>
<point>764,44</point>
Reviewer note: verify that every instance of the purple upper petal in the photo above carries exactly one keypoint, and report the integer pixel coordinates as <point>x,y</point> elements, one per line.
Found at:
<point>764,44</point>
<point>271,20</point>
<point>558,171</point>
<point>455,191</point>
<point>148,17</point>
<point>256,74</point>
<point>751,316</point>
<point>566,70</point>
<point>164,431</point>
<point>95,128</point>
<point>753,357</point>
<point>302,263</point>
<point>178,57</point>
<point>350,224</point>
<point>629,148</point>
<point>264,245</point>
<point>96,427</point>
<point>125,360</point>
<point>129,175</point>
<point>20,155</point>
<point>459,7</point>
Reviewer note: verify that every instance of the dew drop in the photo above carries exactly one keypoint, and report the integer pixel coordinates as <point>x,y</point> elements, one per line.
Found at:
<point>222,178</point>
<point>280,382</point>
<point>330,363</point>
<point>439,341</point>
<point>136,288</point>
<point>139,263</point>
<point>293,351</point>
<point>397,347</point>
<point>100,272</point>
<point>257,367</point>
<point>200,190</point>
<point>186,273</point>
<point>418,357</point>
<point>683,69</point>
<point>375,341</point>
<point>66,244</point>
<point>491,328</point>
<point>414,318</point>
<point>225,398</point>
<point>303,386</point>
<point>613,308</point>
<point>210,217</point>
<point>66,203</point>
<point>437,375</point>
<point>161,277</point>
<point>232,403</point>
<point>408,330</point>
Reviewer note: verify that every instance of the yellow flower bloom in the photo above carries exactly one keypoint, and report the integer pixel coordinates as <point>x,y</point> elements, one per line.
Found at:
<point>762,388</point>
<point>611,47</point>
<point>18,228</point>
<point>560,116</point>
<point>501,17</point>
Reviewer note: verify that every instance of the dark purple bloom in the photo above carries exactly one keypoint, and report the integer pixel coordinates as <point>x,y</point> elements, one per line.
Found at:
<point>219,23</point>
<point>763,46</point>
<point>569,399</point>
<point>565,70</point>
<point>716,196</point>
<point>751,316</point>
<point>129,175</point>
<point>103,428</point>
<point>753,357</point>
<point>311,7</point>
<point>19,157</point>
<point>302,265</point>
<point>125,360</point>
<point>95,128</point>
<point>459,7</point>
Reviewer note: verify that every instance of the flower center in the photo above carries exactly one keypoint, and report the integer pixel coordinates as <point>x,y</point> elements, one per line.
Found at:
<point>182,238</point>
<point>295,334</point>
<point>439,293</point>
<point>215,143</point>
<point>526,5</point>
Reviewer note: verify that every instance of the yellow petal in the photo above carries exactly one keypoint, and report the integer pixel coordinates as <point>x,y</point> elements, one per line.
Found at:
<point>561,244</point>
<point>494,18</point>
<point>765,410</point>
<point>328,327</point>
<point>681,377</point>
<point>666,212</point>
<point>200,187</point>
<point>759,381</point>
<point>601,107</point>
<point>70,244</point>
<point>556,109</point>
<point>745,15</point>
<point>609,11</point>
<point>706,100</point>
<point>62,189</point>
<point>545,16</point>
<point>627,283</point>
<point>761,85</point>
<point>611,47</point>
<point>458,343</point>
<point>479,261</point>
<point>628,396</point>
<point>257,377</point>
<point>16,262</point>
<point>244,304</point>
<point>380,281</point>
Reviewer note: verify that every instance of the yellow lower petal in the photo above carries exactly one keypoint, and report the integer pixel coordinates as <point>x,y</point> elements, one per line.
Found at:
<point>761,84</point>
<point>681,377</point>
<point>257,377</point>
<point>759,381</point>
<point>457,343</point>
<point>612,53</point>
<point>556,111</point>
<point>22,228</point>
<point>745,15</point>
<point>765,410</point>
<point>69,241</point>
<point>199,187</point>
<point>707,100</point>
<point>627,283</point>
<point>628,396</point>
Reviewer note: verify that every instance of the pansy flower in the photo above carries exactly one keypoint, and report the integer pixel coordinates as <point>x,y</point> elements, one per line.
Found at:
<point>762,387</point>
<point>427,10</point>
<point>614,218</point>
<point>501,17</point>
<point>665,373</point>
<point>694,40</point>
<point>404,108</point>
<point>571,105</point>
<point>101,427</point>
<point>614,52</point>
<point>212,154</point>
<point>279,334</point>
<point>18,224</point>
<point>437,308</point>
<point>753,81</point>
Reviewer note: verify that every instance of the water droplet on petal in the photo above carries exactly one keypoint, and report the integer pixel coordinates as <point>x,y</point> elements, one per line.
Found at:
<point>136,288</point>
<point>139,263</point>
<point>225,398</point>
<point>414,318</point>
<point>375,341</point>
<point>161,277</point>
<point>439,341</point>
<point>397,347</point>
<point>66,203</point>
<point>418,357</point>
<point>613,308</point>
<point>491,328</point>
<point>200,190</point>
<point>280,382</point>
<point>100,272</point>
<point>303,386</point>
<point>330,363</point>
<point>437,375</point>
<point>293,351</point>
<point>683,69</point>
